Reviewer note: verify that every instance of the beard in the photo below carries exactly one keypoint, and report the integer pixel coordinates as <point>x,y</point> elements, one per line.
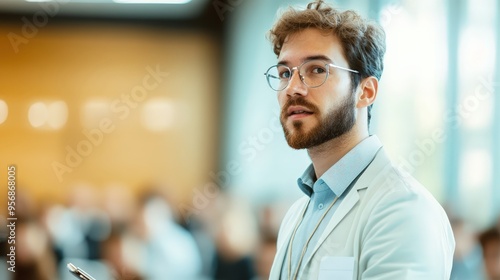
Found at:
<point>336,123</point>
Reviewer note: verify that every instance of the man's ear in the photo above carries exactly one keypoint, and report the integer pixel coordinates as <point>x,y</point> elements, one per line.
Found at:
<point>368,92</point>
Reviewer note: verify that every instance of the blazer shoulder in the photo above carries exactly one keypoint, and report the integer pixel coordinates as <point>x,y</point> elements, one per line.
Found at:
<point>393,185</point>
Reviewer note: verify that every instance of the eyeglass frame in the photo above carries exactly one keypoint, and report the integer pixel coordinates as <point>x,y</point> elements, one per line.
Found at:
<point>301,77</point>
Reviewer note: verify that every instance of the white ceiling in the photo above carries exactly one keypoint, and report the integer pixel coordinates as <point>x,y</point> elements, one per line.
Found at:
<point>103,8</point>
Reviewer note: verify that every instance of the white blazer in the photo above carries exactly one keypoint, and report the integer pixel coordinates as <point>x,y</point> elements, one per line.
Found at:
<point>389,223</point>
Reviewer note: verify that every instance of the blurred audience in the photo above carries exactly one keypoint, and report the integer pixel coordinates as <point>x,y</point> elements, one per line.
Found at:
<point>264,256</point>
<point>34,256</point>
<point>490,242</point>
<point>169,250</point>
<point>114,233</point>
<point>236,238</point>
<point>468,260</point>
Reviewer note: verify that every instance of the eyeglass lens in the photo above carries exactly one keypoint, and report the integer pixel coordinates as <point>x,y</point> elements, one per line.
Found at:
<point>313,73</point>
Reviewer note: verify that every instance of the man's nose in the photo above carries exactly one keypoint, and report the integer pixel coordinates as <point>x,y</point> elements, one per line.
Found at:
<point>296,86</point>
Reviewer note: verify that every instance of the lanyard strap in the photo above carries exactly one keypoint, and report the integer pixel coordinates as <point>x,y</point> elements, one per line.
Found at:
<point>304,248</point>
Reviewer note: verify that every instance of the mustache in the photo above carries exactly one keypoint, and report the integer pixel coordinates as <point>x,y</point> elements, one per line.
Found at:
<point>297,102</point>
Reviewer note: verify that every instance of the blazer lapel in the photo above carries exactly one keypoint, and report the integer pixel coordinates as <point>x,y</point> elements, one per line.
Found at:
<point>379,162</point>
<point>283,246</point>
<point>345,206</point>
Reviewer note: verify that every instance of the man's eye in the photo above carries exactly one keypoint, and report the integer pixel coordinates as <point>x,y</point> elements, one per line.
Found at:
<point>285,74</point>
<point>318,70</point>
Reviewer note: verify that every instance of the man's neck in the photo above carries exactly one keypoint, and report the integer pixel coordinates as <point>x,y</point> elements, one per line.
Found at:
<point>327,154</point>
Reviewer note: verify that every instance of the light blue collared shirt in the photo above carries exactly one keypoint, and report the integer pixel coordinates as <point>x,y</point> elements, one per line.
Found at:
<point>335,182</point>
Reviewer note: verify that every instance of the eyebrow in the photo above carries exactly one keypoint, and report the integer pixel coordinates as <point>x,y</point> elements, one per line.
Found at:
<point>311,57</point>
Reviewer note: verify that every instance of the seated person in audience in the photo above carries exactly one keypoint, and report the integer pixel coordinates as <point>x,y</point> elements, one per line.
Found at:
<point>490,241</point>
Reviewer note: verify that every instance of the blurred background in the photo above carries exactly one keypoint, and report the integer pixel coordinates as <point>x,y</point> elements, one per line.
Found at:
<point>147,144</point>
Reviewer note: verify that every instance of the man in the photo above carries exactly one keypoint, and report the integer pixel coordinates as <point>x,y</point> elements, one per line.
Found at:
<point>361,217</point>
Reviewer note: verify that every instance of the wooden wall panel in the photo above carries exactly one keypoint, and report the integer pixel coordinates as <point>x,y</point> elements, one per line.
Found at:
<point>95,63</point>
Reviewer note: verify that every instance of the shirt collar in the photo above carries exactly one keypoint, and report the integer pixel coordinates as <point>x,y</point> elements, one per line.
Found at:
<point>339,176</point>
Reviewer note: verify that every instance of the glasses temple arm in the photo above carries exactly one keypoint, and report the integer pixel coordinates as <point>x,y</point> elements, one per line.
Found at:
<point>343,68</point>
<point>269,75</point>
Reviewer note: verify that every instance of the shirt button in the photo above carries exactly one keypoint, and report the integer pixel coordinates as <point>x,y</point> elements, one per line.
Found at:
<point>320,206</point>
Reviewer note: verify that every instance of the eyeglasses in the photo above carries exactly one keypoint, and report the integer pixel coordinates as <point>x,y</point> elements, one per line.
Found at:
<point>313,73</point>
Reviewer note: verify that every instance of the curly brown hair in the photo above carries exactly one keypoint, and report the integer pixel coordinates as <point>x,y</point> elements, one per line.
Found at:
<point>363,41</point>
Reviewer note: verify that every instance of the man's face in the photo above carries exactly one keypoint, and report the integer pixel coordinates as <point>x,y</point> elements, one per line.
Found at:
<point>312,116</point>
